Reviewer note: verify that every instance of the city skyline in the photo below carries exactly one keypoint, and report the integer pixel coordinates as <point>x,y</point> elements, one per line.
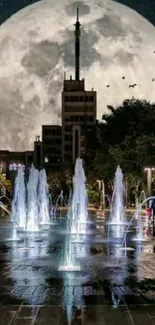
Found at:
<point>33,65</point>
<point>61,145</point>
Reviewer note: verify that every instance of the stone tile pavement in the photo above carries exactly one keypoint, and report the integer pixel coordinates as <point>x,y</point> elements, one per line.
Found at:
<point>42,306</point>
<point>82,315</point>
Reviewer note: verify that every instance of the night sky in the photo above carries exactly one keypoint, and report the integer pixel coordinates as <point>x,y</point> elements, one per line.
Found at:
<point>144,7</point>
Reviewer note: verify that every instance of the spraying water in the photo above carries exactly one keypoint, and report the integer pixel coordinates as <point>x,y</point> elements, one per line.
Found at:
<point>18,214</point>
<point>32,201</point>
<point>43,198</point>
<point>117,206</point>
<point>139,227</point>
<point>69,263</point>
<point>77,217</point>
<point>59,202</point>
<point>79,205</point>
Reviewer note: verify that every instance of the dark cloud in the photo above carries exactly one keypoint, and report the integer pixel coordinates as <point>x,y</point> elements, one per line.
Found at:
<point>41,58</point>
<point>54,89</point>
<point>52,108</point>
<point>123,57</point>
<point>83,8</point>
<point>106,60</point>
<point>32,107</point>
<point>109,26</point>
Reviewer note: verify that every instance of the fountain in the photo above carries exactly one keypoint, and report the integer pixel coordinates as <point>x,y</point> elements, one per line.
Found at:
<point>79,205</point>
<point>3,207</point>
<point>142,196</point>
<point>77,217</point>
<point>18,214</point>
<point>59,202</point>
<point>4,196</point>
<point>32,201</point>
<point>139,227</point>
<point>117,222</point>
<point>108,199</point>
<point>43,199</point>
<point>69,263</point>
<point>117,202</point>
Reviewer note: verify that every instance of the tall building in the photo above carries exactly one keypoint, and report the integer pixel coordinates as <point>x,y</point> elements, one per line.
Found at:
<point>38,154</point>
<point>51,147</point>
<point>78,110</point>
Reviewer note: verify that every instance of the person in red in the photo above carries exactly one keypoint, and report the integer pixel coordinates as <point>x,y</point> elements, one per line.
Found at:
<point>149,215</point>
<point>148,212</point>
<point>96,205</point>
<point>148,232</point>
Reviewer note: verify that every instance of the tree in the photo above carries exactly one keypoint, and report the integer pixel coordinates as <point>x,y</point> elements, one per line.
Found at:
<point>59,181</point>
<point>133,118</point>
<point>5,183</point>
<point>126,137</point>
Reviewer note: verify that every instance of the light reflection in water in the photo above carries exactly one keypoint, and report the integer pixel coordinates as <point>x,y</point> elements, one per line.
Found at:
<point>33,251</point>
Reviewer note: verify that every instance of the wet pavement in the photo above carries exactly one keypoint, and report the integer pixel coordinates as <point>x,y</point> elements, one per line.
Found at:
<point>114,286</point>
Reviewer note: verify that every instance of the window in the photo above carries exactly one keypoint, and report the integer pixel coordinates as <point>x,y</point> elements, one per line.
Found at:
<point>67,118</point>
<point>89,118</point>
<point>68,128</point>
<point>46,160</point>
<point>13,167</point>
<point>68,157</point>
<point>68,137</point>
<point>68,147</point>
<point>46,132</point>
<point>10,167</point>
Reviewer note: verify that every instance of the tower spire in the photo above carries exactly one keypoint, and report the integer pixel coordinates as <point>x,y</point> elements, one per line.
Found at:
<point>77,47</point>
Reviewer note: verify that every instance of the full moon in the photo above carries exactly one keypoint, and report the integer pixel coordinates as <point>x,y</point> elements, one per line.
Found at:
<point>37,46</point>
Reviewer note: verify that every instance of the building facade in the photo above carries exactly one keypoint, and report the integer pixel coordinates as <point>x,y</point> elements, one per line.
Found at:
<point>78,114</point>
<point>51,147</point>
<point>78,110</point>
<point>10,161</point>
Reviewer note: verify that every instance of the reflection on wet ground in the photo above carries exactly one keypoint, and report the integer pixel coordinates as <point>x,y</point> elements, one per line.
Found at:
<point>114,285</point>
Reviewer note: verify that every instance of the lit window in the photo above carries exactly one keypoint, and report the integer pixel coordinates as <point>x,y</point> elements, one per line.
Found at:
<point>14,166</point>
<point>46,160</point>
<point>10,167</point>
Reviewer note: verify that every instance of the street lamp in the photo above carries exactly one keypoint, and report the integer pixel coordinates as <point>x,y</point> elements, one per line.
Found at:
<point>149,177</point>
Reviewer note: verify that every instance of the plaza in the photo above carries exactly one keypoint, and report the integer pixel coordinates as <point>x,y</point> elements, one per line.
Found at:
<point>61,262</point>
<point>113,285</point>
